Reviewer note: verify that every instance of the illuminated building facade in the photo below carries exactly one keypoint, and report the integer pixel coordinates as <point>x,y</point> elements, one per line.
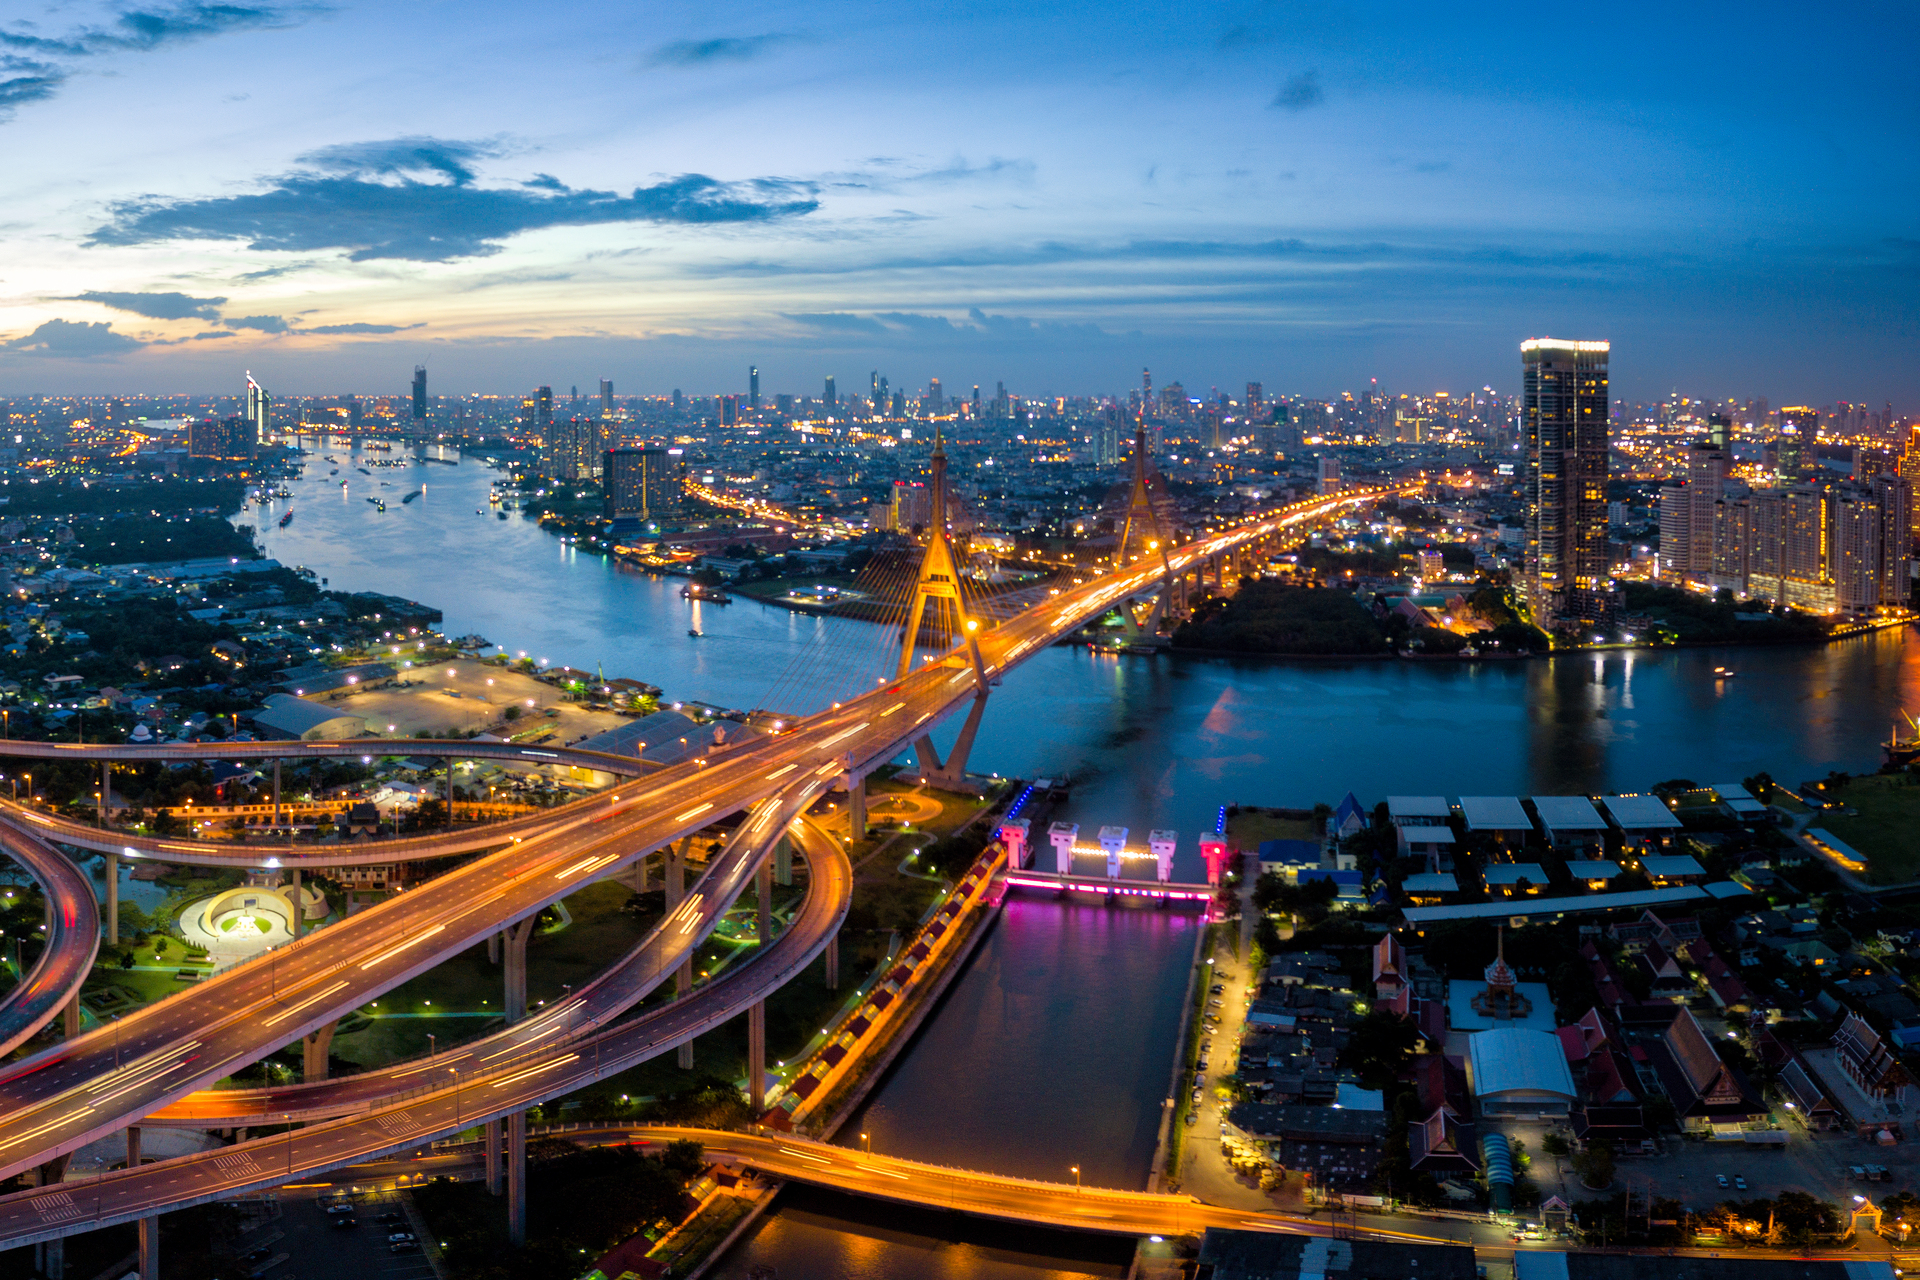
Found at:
<point>1564,418</point>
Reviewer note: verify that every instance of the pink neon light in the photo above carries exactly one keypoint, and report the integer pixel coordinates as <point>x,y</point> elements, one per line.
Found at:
<point>1184,894</point>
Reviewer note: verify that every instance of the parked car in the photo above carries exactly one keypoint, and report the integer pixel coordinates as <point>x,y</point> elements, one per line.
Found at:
<point>404,1246</point>
<point>339,1208</point>
<point>1720,1178</point>
<point>399,1236</point>
<point>1739,1182</point>
<point>345,1220</point>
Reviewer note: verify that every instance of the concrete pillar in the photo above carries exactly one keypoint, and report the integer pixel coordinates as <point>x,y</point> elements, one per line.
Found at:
<point>451,769</point>
<point>1014,834</point>
<point>54,1171</point>
<point>113,899</point>
<point>857,808</point>
<point>1063,835</point>
<point>1163,844</point>
<point>106,786</point>
<point>56,1266</point>
<point>763,884</point>
<point>783,861</point>
<point>315,1049</point>
<point>833,961</point>
<point>1112,841</point>
<point>683,977</point>
<point>517,1178</point>
<point>493,1139</point>
<point>493,948</point>
<point>133,1146</point>
<point>516,968</point>
<point>757,1057</point>
<point>70,1017</point>
<point>150,1248</point>
<point>641,878</point>
<point>276,794</point>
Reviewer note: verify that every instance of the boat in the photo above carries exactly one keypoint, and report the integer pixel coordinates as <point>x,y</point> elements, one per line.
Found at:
<point>334,472</point>
<point>693,631</point>
<point>286,519</point>
<point>410,497</point>
<point>363,471</point>
<point>1724,673</point>
<point>1901,752</point>
<point>501,514</point>
<point>379,506</point>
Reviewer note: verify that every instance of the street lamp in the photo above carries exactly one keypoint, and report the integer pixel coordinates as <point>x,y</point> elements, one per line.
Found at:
<point>1076,1177</point>
<point>867,1138</point>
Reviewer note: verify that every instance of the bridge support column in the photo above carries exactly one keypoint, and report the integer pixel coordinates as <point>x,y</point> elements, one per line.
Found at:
<point>953,773</point>
<point>783,861</point>
<point>54,1171</point>
<point>833,961</point>
<point>150,1248</point>
<point>641,878</point>
<point>70,1017</point>
<point>516,966</point>
<point>517,1178</point>
<point>314,1051</point>
<point>857,806</point>
<point>493,948</point>
<point>276,794</point>
<point>763,885</point>
<point>106,785</point>
<point>493,1139</point>
<point>133,1146</point>
<point>757,1057</point>
<point>56,1264</point>
<point>113,899</point>
<point>452,766</point>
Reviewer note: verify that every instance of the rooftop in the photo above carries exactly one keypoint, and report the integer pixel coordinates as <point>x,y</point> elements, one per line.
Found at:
<point>1586,904</point>
<point>1495,813</point>
<point>1568,813</point>
<point>1640,813</point>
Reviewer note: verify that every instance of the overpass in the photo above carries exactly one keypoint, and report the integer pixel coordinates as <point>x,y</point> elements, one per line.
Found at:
<point>100,1082</point>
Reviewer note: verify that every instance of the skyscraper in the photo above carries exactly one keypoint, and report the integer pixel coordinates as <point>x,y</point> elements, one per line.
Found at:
<point>259,410</point>
<point>753,386</point>
<point>606,397</point>
<point>935,404</point>
<point>638,482</point>
<point>1564,417</point>
<point>831,396</point>
<point>419,393</point>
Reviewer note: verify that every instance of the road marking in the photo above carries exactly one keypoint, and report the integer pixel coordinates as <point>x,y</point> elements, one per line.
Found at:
<point>890,710</point>
<point>885,1173</point>
<point>832,766</point>
<point>58,1207</point>
<point>55,1124</point>
<point>578,866</point>
<point>316,998</point>
<point>784,769</point>
<point>389,954</point>
<point>804,1156</point>
<point>845,733</point>
<point>693,812</point>
<point>557,1062</point>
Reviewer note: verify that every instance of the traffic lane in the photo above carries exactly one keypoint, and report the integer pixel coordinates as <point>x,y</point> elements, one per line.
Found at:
<point>72,941</point>
<point>127,1194</point>
<point>648,964</point>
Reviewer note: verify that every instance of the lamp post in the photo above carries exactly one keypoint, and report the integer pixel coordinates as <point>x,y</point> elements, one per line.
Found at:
<point>866,1140</point>
<point>116,1042</point>
<point>433,1046</point>
<point>1076,1177</point>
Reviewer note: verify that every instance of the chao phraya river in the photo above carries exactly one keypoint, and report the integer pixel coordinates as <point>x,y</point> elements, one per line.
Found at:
<point>1053,1048</point>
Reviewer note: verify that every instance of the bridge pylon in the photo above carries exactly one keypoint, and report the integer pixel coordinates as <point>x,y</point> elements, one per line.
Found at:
<point>938,586</point>
<point>1143,520</point>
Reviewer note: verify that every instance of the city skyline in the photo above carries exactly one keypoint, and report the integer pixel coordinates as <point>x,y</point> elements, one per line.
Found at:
<point>1303,199</point>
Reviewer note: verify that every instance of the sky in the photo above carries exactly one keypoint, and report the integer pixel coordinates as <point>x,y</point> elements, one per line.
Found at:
<point>1055,196</point>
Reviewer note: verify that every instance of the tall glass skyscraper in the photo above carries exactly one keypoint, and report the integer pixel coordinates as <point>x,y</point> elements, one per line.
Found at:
<point>1564,420</point>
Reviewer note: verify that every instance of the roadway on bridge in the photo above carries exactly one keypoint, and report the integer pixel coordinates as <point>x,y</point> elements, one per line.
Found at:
<point>101,1082</point>
<point>72,939</point>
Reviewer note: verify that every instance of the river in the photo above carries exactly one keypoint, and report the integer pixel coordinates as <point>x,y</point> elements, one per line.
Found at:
<point>1052,1049</point>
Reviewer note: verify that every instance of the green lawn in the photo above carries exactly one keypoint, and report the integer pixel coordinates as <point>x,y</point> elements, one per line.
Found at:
<point>1249,827</point>
<point>1886,830</point>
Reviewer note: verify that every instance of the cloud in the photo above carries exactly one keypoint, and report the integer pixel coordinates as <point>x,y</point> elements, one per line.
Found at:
<point>155,306</point>
<point>360,327</point>
<point>431,221</point>
<point>835,321</point>
<point>693,53</point>
<point>1300,92</point>
<point>139,30</point>
<point>214,333</point>
<point>265,324</point>
<point>404,158</point>
<point>75,339</point>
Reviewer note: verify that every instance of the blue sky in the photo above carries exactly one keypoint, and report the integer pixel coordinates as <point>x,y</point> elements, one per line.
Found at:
<point>1306,194</point>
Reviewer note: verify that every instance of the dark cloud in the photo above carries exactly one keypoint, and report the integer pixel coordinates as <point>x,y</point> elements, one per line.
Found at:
<point>403,158</point>
<point>137,30</point>
<point>1300,92</point>
<point>693,53</point>
<point>836,321</point>
<point>432,221</point>
<point>75,339</point>
<point>213,333</point>
<point>155,306</point>
<point>359,327</point>
<point>265,324</point>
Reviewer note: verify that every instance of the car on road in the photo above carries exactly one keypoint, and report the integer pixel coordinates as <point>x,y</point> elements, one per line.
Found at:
<point>1739,1182</point>
<point>1193,1118</point>
<point>404,1246</point>
<point>345,1221</point>
<point>339,1208</point>
<point>399,1237</point>
<point>1720,1178</point>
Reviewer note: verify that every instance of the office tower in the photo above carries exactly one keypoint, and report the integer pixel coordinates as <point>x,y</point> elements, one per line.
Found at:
<point>606,397</point>
<point>1329,471</point>
<point>729,411</point>
<point>353,411</point>
<point>678,402</point>
<point>117,416</point>
<point>1256,403</point>
<point>222,439</point>
<point>1564,408</point>
<point>936,405</point>
<point>880,400</point>
<point>753,386</point>
<point>783,404</point>
<point>832,396</point>
<point>259,410</point>
<point>899,405</point>
<point>1799,430</point>
<point>639,482</point>
<point>976,401</point>
<point>419,393</point>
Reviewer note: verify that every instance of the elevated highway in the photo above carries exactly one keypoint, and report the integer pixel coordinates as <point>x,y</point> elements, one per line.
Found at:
<point>72,940</point>
<point>98,1083</point>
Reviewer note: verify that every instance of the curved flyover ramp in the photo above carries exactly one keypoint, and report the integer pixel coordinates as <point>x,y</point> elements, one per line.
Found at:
<point>73,938</point>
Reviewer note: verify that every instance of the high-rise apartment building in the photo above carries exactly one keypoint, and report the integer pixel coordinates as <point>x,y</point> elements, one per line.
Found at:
<point>639,483</point>
<point>753,386</point>
<point>1564,416</point>
<point>536,413</point>
<point>1256,403</point>
<point>259,410</point>
<point>419,393</point>
<point>222,439</point>
<point>572,448</point>
<point>606,397</point>
<point>729,411</point>
<point>936,403</point>
<point>831,397</point>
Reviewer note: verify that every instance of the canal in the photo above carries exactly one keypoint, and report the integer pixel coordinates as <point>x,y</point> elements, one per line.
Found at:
<point>1052,1049</point>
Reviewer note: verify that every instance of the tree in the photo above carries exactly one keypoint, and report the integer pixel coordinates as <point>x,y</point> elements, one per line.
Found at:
<point>1378,1048</point>
<point>1595,1165</point>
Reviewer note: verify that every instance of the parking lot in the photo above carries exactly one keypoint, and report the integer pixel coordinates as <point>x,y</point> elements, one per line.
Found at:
<point>304,1244</point>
